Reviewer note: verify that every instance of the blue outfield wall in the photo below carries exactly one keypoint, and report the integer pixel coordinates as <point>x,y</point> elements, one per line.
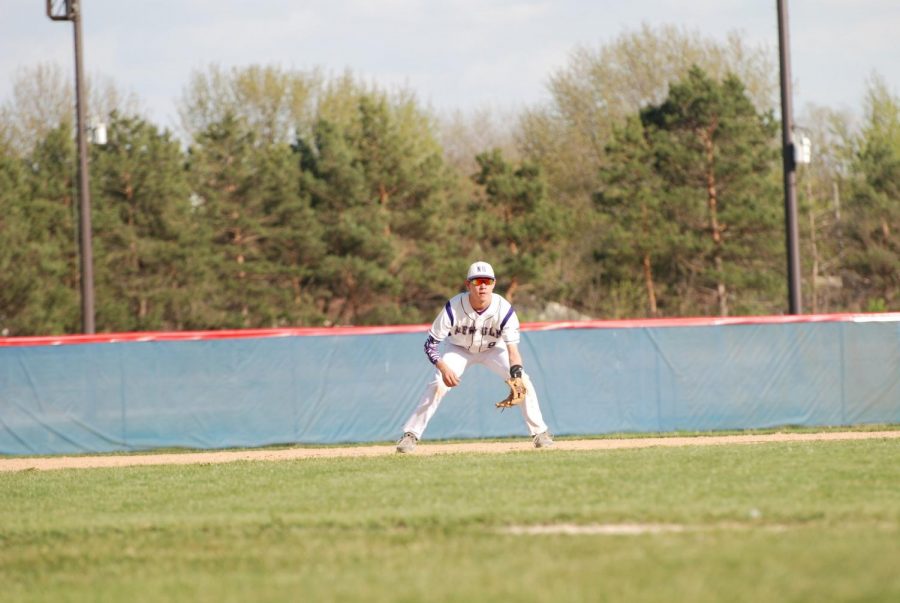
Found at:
<point>592,378</point>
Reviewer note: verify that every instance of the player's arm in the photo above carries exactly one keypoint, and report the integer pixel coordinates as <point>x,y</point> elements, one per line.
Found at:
<point>450,378</point>
<point>510,328</point>
<point>431,349</point>
<point>442,326</point>
<point>515,360</point>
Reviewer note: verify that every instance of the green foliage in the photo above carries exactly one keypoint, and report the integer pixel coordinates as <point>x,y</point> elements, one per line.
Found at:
<point>261,238</point>
<point>16,273</point>
<point>873,228</point>
<point>144,241</point>
<point>360,252</point>
<point>518,224</point>
<point>592,97</point>
<point>798,521</point>
<point>41,229</point>
<point>377,182</point>
<point>639,238</point>
<point>293,244</point>
<point>689,202</point>
<point>645,188</point>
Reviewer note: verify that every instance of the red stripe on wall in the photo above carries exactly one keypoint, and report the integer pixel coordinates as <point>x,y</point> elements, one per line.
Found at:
<point>400,329</point>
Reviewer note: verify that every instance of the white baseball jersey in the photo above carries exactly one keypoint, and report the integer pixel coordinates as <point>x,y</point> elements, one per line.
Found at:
<point>462,326</point>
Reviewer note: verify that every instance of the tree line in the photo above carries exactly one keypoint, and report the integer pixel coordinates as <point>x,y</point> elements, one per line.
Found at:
<point>650,185</point>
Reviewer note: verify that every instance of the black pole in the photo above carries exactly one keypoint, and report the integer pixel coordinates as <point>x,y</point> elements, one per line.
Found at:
<point>72,12</point>
<point>87,254</point>
<point>789,163</point>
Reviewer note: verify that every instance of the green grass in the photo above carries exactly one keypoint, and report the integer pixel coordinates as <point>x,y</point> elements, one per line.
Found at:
<point>766,522</point>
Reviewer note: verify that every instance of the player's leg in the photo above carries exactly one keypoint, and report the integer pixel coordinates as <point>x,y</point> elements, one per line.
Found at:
<point>434,393</point>
<point>498,362</point>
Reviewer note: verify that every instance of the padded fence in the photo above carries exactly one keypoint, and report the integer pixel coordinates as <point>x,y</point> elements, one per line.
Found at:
<point>325,386</point>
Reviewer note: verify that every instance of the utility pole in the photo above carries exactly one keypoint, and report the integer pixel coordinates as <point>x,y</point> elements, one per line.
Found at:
<point>70,10</point>
<point>789,162</point>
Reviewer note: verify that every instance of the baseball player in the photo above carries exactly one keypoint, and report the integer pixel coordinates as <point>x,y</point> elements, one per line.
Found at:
<point>480,327</point>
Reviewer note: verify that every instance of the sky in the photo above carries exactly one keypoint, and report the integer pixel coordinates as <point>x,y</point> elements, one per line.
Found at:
<point>454,54</point>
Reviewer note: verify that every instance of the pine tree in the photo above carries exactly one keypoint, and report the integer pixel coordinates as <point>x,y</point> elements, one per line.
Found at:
<point>518,221</point>
<point>292,247</point>
<point>144,240</point>
<point>50,211</point>
<point>17,274</point>
<point>593,95</point>
<point>230,199</point>
<point>639,238</point>
<point>716,155</point>
<point>377,181</point>
<point>404,168</point>
<point>355,274</point>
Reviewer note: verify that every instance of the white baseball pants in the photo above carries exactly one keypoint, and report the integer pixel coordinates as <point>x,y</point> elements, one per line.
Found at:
<point>458,359</point>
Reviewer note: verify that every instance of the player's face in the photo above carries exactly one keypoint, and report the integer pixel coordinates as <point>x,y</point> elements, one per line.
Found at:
<point>480,290</point>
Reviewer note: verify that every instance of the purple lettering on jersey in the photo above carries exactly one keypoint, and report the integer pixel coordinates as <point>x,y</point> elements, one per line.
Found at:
<point>485,330</point>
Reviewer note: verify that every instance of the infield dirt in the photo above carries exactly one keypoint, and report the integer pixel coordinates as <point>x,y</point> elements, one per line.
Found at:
<point>424,448</point>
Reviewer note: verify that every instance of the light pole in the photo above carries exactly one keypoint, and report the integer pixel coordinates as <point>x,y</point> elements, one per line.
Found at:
<point>789,162</point>
<point>70,10</point>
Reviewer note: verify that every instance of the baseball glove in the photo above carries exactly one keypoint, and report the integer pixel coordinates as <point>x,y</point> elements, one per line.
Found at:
<point>517,391</point>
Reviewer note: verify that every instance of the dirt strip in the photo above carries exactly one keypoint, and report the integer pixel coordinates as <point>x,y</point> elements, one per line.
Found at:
<point>425,448</point>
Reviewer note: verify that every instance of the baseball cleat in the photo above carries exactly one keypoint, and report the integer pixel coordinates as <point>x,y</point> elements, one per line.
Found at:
<point>543,440</point>
<point>407,443</point>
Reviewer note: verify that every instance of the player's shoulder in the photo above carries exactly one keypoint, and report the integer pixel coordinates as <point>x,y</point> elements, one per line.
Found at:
<point>457,300</point>
<point>503,304</point>
<point>453,307</point>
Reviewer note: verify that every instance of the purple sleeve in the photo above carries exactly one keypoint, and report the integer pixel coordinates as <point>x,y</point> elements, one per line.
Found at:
<point>431,349</point>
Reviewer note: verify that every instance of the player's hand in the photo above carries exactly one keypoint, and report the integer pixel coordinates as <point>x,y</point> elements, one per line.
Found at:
<point>451,379</point>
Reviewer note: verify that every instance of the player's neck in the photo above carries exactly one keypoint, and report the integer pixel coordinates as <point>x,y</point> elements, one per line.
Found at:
<point>479,308</point>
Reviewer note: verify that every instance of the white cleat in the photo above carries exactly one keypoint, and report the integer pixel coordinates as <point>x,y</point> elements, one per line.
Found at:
<point>407,443</point>
<point>543,440</point>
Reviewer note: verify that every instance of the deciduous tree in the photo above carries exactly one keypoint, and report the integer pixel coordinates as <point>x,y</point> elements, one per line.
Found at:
<point>873,205</point>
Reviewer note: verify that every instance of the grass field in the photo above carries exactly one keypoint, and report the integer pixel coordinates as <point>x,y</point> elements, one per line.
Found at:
<point>812,521</point>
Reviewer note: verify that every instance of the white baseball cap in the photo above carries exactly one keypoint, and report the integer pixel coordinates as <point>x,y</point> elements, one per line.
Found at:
<point>480,269</point>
